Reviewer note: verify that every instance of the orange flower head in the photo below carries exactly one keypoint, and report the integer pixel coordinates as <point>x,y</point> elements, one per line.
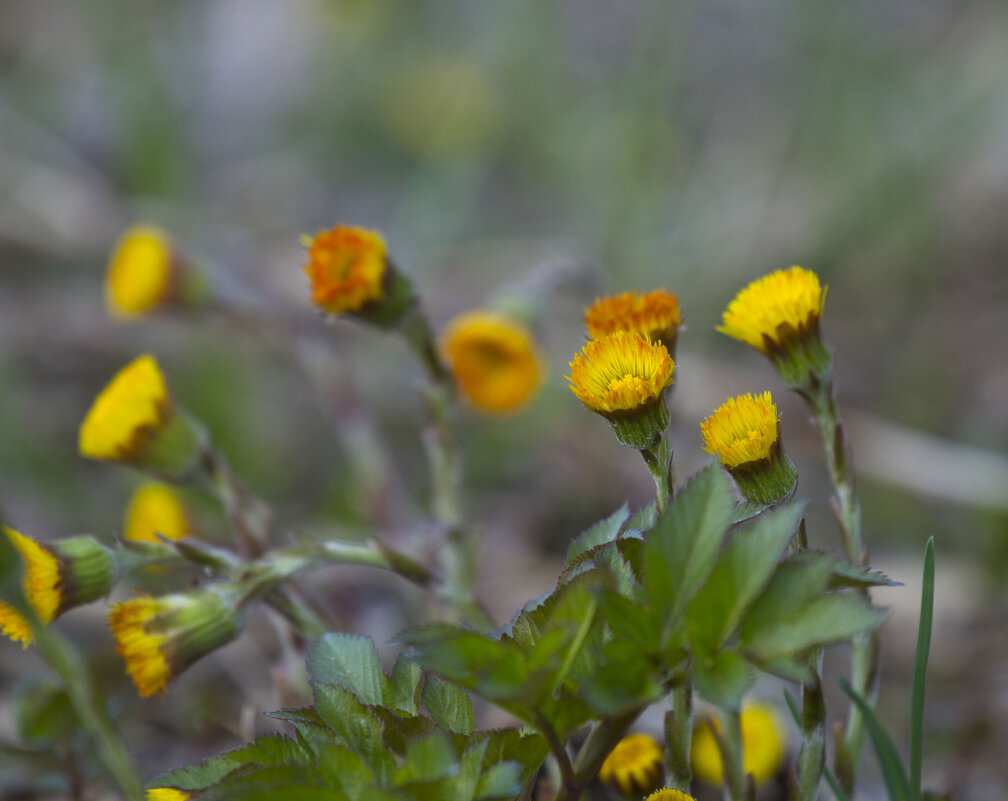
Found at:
<point>654,314</point>
<point>346,268</point>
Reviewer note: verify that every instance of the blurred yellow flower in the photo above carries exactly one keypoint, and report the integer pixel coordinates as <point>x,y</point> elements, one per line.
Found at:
<point>620,372</point>
<point>494,360</point>
<point>167,794</point>
<point>742,429</point>
<point>776,308</point>
<point>654,314</point>
<point>155,509</point>
<point>634,765</point>
<point>160,637</point>
<point>346,268</point>
<point>41,578</point>
<point>668,794</point>
<point>763,745</point>
<point>141,272</point>
<point>13,625</point>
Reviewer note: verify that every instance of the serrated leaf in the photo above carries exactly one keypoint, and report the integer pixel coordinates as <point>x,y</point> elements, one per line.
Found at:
<point>400,730</point>
<point>598,534</point>
<point>358,725</point>
<point>350,661</point>
<point>502,780</point>
<point>625,680</point>
<point>526,749</point>
<point>429,759</point>
<point>795,582</point>
<point>680,551</point>
<point>724,679</point>
<point>346,770</point>
<point>449,705</point>
<point>740,574</point>
<point>403,688</point>
<point>628,620</point>
<point>826,619</point>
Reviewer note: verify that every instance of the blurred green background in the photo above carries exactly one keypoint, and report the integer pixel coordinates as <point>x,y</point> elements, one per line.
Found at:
<point>557,149</point>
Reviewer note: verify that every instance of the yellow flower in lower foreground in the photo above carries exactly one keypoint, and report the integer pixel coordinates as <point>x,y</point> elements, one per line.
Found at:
<point>155,509</point>
<point>160,637</point>
<point>494,360</point>
<point>141,272</point>
<point>654,314</point>
<point>763,745</point>
<point>41,575</point>
<point>13,625</point>
<point>634,765</point>
<point>668,794</point>
<point>346,268</point>
<point>167,794</point>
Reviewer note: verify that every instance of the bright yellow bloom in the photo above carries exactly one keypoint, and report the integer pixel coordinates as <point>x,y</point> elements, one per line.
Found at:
<point>140,648</point>
<point>346,268</point>
<point>494,360</point>
<point>654,314</point>
<point>41,579</point>
<point>140,273</point>
<point>784,305</point>
<point>13,625</point>
<point>620,372</point>
<point>132,407</point>
<point>155,509</point>
<point>763,744</point>
<point>634,765</point>
<point>668,794</point>
<point>742,429</point>
<point>167,794</point>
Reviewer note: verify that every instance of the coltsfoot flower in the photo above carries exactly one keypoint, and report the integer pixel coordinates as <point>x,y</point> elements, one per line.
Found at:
<point>134,420</point>
<point>14,625</point>
<point>623,377</point>
<point>654,314</point>
<point>634,765</point>
<point>763,745</point>
<point>167,794</point>
<point>668,794</point>
<point>493,359</point>
<point>155,509</point>
<point>63,574</point>
<point>744,433</point>
<point>779,315</point>
<point>160,637</point>
<point>346,268</point>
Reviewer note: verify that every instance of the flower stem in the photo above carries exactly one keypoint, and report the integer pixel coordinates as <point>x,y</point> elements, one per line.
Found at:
<point>659,464</point>
<point>812,757</point>
<point>678,738</point>
<point>730,740</point>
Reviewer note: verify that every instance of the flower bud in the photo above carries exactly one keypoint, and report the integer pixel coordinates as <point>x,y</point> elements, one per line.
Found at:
<point>634,765</point>
<point>654,314</point>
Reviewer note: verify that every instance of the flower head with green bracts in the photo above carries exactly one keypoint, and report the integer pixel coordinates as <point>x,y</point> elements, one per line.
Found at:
<point>654,314</point>
<point>634,765</point>
<point>346,268</point>
<point>779,315</point>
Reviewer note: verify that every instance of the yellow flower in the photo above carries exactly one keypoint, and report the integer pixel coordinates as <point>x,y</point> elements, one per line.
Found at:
<point>494,360</point>
<point>774,308</point>
<point>155,509</point>
<point>620,372</point>
<point>654,314</point>
<point>13,625</point>
<point>634,765</point>
<point>160,637</point>
<point>763,744</point>
<point>668,794</point>
<point>141,272</point>
<point>346,268</point>
<point>742,429</point>
<point>167,794</point>
<point>41,578</point>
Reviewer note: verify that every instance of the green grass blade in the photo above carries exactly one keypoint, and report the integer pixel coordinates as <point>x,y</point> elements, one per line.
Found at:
<point>920,669</point>
<point>897,784</point>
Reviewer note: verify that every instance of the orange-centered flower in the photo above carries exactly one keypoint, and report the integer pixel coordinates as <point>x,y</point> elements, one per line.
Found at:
<point>742,429</point>
<point>620,373</point>
<point>654,314</point>
<point>494,359</point>
<point>775,309</point>
<point>634,765</point>
<point>346,268</point>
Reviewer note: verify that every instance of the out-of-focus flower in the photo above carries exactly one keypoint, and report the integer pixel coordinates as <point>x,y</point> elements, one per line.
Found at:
<point>668,794</point>
<point>494,360</point>
<point>63,574</point>
<point>763,745</point>
<point>654,314</point>
<point>134,420</point>
<point>744,433</point>
<point>13,625</point>
<point>623,377</point>
<point>346,268</point>
<point>155,509</point>
<point>160,637</point>
<point>167,794</point>
<point>634,765</point>
<point>779,315</point>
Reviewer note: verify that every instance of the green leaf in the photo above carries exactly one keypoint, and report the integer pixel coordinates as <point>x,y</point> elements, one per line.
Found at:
<point>680,551</point>
<point>346,770</point>
<point>44,713</point>
<point>598,534</point>
<point>895,778</point>
<point>740,574</point>
<point>404,687</point>
<point>826,619</point>
<point>427,760</point>
<point>350,661</point>
<point>449,705</point>
<point>628,620</point>
<point>920,668</point>
<point>724,679</point>
<point>625,679</point>
<point>358,725</point>
<point>845,573</point>
<point>795,582</point>
<point>502,780</point>
<point>527,749</point>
